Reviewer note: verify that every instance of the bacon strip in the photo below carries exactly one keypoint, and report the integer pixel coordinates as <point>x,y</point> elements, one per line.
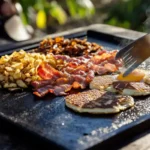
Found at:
<point>47,72</point>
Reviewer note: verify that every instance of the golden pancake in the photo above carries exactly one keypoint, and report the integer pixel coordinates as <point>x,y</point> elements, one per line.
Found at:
<point>102,82</point>
<point>130,88</point>
<point>98,102</point>
<point>146,79</point>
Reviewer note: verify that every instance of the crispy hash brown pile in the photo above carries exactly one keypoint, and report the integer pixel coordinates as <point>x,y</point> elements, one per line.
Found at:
<point>70,47</point>
<point>57,66</point>
<point>19,69</point>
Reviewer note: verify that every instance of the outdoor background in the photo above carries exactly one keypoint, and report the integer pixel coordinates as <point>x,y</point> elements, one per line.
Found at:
<point>50,16</point>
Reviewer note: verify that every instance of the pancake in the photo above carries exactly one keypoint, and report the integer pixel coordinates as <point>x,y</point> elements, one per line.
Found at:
<point>130,88</point>
<point>98,102</point>
<point>146,79</point>
<point>102,82</point>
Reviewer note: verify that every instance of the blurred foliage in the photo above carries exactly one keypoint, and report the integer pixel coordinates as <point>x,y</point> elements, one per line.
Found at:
<point>44,13</point>
<point>128,14</point>
<point>80,8</point>
<point>131,14</point>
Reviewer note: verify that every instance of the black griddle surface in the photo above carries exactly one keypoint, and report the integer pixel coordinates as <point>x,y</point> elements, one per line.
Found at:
<point>49,119</point>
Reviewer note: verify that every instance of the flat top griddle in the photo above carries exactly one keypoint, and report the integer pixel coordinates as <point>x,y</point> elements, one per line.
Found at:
<point>49,119</point>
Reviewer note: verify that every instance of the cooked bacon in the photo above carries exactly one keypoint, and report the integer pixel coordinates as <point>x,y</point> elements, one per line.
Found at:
<point>101,52</point>
<point>79,69</point>
<point>68,70</point>
<point>40,92</point>
<point>76,85</point>
<point>97,59</point>
<point>62,80</point>
<point>62,57</point>
<point>110,67</point>
<point>101,70</point>
<point>57,90</point>
<point>90,76</point>
<point>78,78</point>
<point>61,89</point>
<point>46,72</point>
<point>72,64</point>
<point>81,80</point>
<point>42,83</point>
<point>75,72</point>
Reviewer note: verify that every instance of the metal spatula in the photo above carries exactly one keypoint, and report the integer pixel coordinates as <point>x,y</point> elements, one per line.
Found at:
<point>135,53</point>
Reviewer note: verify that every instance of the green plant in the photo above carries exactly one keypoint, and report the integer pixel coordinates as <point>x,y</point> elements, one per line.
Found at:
<point>80,8</point>
<point>47,12</point>
<point>128,14</point>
